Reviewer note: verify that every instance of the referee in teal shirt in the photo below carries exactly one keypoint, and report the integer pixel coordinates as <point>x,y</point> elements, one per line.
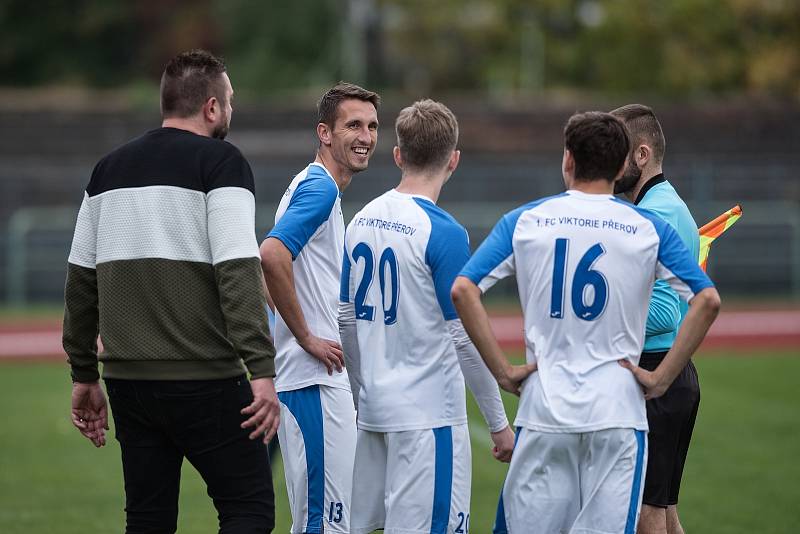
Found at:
<point>671,417</point>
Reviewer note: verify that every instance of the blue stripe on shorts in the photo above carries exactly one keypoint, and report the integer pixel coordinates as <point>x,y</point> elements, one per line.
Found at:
<point>306,407</point>
<point>443,480</point>
<point>630,525</point>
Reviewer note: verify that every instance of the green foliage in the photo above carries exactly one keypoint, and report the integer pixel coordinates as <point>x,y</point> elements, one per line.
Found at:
<point>680,47</point>
<point>278,45</point>
<point>84,41</point>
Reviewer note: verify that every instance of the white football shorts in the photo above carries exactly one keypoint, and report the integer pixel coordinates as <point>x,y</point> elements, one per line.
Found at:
<point>317,436</point>
<point>412,482</point>
<point>577,483</point>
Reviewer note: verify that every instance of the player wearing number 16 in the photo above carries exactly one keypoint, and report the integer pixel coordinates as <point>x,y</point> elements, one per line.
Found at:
<point>585,263</point>
<point>406,351</point>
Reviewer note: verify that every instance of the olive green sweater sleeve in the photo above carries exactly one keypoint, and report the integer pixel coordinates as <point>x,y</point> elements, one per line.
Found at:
<point>81,322</point>
<point>244,306</point>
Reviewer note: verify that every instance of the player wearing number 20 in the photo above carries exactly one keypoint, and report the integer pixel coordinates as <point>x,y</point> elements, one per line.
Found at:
<point>403,344</point>
<point>585,264</point>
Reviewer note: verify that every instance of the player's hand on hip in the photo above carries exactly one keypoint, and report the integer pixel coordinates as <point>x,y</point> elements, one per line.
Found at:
<point>265,411</point>
<point>327,351</point>
<point>514,376</point>
<point>90,411</point>
<point>651,384</point>
<point>503,444</point>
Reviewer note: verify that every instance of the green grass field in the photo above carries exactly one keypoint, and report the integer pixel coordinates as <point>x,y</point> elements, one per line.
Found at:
<point>742,473</point>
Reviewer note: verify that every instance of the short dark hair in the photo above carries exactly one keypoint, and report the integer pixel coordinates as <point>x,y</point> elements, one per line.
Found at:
<point>427,133</point>
<point>643,127</point>
<point>189,80</point>
<point>598,143</point>
<point>328,104</point>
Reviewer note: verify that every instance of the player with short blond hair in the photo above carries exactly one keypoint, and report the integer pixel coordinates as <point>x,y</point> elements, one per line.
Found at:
<point>407,353</point>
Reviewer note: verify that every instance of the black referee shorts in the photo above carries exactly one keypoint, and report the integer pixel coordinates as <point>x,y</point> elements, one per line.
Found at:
<point>671,418</point>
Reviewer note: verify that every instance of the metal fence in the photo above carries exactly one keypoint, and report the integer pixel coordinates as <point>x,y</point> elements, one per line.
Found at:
<point>759,257</point>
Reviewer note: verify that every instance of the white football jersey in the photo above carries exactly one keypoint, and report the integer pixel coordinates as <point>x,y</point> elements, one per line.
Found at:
<point>309,223</point>
<point>585,267</point>
<point>402,253</point>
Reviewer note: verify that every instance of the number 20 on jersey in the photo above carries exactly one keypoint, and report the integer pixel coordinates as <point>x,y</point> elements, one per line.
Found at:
<point>388,284</point>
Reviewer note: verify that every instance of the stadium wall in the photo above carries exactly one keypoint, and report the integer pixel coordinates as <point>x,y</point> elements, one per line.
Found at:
<point>717,155</point>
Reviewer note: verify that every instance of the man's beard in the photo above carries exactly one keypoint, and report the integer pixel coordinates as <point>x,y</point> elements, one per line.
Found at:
<point>630,177</point>
<point>221,131</point>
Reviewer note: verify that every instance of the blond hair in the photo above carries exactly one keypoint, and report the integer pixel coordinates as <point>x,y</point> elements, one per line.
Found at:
<point>427,133</point>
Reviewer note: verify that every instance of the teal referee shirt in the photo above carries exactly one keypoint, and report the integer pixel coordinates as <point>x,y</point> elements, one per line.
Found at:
<point>666,310</point>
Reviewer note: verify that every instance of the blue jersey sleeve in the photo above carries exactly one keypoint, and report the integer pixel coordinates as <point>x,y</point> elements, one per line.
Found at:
<point>494,259</point>
<point>446,253</point>
<point>495,249</point>
<point>310,206</point>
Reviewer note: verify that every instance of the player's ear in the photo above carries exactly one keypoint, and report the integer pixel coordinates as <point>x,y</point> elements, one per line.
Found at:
<point>567,167</point>
<point>643,155</point>
<point>211,109</point>
<point>568,163</point>
<point>398,158</point>
<point>324,134</point>
<point>455,157</point>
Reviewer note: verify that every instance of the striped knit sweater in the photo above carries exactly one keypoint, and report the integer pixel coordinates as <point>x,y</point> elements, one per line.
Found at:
<point>164,265</point>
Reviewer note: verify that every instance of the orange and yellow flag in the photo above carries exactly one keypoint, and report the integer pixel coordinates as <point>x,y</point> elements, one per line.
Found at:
<point>715,228</point>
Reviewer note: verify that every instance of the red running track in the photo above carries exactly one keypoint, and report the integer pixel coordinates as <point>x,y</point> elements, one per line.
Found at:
<point>732,330</point>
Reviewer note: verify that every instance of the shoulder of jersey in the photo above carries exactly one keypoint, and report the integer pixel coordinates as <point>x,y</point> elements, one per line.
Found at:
<point>319,179</point>
<point>435,213</point>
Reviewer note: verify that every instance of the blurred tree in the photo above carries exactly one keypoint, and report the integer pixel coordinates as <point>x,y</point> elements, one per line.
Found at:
<point>281,45</point>
<point>677,47</point>
<point>84,41</point>
<point>680,47</point>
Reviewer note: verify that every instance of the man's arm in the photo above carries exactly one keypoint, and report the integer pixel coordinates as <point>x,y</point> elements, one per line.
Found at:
<point>478,378</point>
<point>703,309</point>
<point>276,261</point>
<point>484,388</point>
<point>230,218</point>
<point>348,331</point>
<point>467,299</point>
<point>270,303</point>
<point>80,329</point>
<point>309,207</point>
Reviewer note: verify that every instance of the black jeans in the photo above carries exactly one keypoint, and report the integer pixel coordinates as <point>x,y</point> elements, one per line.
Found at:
<point>158,423</point>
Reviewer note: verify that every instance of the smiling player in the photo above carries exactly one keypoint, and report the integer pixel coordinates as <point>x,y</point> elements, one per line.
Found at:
<point>302,259</point>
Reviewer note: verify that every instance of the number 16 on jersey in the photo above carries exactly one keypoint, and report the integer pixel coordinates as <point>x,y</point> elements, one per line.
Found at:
<point>584,278</point>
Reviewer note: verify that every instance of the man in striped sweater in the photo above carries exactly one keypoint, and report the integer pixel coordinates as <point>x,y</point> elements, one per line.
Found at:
<point>164,266</point>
